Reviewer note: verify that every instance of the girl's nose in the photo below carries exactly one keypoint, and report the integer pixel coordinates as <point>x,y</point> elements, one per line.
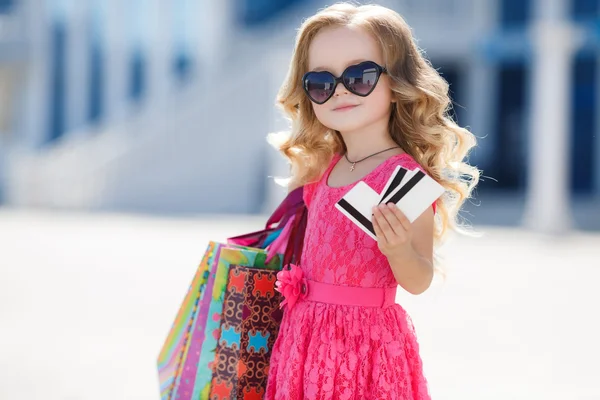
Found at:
<point>340,89</point>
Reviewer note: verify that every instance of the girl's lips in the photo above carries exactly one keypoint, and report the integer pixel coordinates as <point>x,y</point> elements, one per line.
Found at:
<point>345,107</point>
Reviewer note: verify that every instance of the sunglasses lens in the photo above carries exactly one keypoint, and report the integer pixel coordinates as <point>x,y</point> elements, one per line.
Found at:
<point>361,79</point>
<point>319,86</point>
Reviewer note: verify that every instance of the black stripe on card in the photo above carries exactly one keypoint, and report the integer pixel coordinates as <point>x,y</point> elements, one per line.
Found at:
<point>361,219</point>
<point>407,187</point>
<point>397,179</point>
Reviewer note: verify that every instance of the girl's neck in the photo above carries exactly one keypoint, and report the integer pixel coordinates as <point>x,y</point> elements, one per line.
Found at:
<point>366,141</point>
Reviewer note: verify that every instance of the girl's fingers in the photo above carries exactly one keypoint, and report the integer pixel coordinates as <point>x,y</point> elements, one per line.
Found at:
<point>400,216</point>
<point>384,224</point>
<point>378,232</point>
<point>392,219</point>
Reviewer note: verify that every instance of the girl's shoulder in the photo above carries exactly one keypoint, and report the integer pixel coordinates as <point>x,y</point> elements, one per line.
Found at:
<point>308,192</point>
<point>310,188</point>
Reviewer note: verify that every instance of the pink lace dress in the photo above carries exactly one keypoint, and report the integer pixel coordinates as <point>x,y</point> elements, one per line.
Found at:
<point>333,351</point>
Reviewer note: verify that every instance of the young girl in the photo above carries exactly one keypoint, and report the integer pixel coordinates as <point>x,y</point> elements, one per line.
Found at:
<point>362,100</point>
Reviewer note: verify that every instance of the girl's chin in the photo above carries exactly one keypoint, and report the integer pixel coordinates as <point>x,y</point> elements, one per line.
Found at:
<point>344,127</point>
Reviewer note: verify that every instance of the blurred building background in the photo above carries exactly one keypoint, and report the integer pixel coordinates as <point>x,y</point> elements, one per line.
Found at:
<point>163,106</point>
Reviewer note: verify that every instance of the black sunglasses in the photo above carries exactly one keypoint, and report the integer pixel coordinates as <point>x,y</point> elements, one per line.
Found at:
<point>359,79</point>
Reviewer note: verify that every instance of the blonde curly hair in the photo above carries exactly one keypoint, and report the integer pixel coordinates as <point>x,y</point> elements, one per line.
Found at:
<point>420,122</point>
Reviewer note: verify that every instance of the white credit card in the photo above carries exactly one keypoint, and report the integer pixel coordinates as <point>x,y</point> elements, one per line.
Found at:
<point>416,195</point>
<point>392,183</point>
<point>413,191</point>
<point>398,179</point>
<point>357,205</point>
<point>405,177</point>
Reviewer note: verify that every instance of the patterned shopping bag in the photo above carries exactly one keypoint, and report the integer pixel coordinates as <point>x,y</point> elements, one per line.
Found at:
<point>228,257</point>
<point>181,351</point>
<point>249,327</point>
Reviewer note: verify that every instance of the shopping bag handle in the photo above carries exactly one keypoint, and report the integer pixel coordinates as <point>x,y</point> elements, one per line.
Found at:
<point>295,245</point>
<point>282,214</point>
<point>287,208</point>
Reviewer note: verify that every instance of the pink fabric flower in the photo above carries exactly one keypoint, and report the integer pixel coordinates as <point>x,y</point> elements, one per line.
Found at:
<point>292,285</point>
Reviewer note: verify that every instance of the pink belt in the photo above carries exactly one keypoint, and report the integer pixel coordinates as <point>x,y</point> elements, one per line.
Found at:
<point>350,295</point>
<point>294,287</point>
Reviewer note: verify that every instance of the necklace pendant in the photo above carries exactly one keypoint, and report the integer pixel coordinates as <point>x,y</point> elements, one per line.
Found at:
<point>352,167</point>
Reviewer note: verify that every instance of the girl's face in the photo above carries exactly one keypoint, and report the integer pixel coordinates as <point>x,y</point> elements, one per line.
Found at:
<point>333,50</point>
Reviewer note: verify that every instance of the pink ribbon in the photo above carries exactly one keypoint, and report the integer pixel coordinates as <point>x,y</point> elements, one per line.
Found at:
<point>280,243</point>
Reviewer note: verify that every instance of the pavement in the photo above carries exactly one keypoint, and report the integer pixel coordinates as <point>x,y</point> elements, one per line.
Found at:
<point>86,301</point>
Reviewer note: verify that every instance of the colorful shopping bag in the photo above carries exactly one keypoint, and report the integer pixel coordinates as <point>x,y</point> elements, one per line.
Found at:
<point>173,350</point>
<point>228,348</point>
<point>260,326</point>
<point>228,257</point>
<point>186,359</point>
<point>251,318</point>
<point>179,357</point>
<point>249,327</point>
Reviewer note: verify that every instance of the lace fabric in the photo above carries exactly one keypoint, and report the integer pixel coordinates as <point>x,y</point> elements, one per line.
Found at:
<point>326,351</point>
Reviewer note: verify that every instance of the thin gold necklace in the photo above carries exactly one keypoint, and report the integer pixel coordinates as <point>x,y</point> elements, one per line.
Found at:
<point>363,159</point>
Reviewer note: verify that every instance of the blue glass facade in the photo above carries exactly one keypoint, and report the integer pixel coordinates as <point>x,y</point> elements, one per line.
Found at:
<point>137,75</point>
<point>583,122</point>
<point>585,9</point>
<point>509,164</point>
<point>58,83</point>
<point>512,99</point>
<point>514,13</point>
<point>6,6</point>
<point>95,104</point>
<point>255,12</point>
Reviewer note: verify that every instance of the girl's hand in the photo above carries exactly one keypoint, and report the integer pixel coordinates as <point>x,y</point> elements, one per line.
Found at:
<point>394,232</point>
